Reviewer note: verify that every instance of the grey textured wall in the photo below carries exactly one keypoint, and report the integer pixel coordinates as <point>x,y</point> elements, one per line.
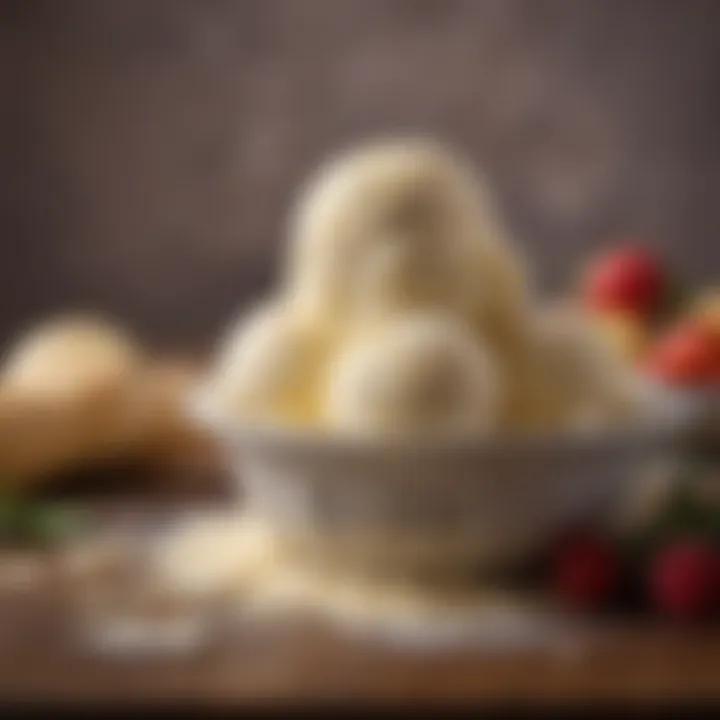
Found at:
<point>149,148</point>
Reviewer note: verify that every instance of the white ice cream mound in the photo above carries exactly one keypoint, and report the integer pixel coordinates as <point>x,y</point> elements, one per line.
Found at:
<point>386,240</point>
<point>416,374</point>
<point>404,309</point>
<point>385,227</point>
<point>270,367</point>
<point>572,379</point>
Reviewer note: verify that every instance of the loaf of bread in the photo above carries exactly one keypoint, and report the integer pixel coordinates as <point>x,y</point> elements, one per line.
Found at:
<point>77,389</point>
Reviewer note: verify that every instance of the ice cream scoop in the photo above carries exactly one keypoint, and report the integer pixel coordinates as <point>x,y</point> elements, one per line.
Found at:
<point>415,374</point>
<point>503,294</point>
<point>384,228</point>
<point>574,379</point>
<point>269,366</point>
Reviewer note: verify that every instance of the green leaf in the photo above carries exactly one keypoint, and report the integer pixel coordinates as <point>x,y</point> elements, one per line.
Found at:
<point>684,514</point>
<point>54,524</point>
<point>26,522</point>
<point>14,516</point>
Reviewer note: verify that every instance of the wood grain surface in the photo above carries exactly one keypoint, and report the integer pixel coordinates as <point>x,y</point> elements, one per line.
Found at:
<point>291,663</point>
<point>43,658</point>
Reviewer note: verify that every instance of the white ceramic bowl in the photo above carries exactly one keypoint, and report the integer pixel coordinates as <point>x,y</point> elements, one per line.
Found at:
<point>439,506</point>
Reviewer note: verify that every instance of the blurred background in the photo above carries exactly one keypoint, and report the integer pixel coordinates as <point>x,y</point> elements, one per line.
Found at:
<point>149,150</point>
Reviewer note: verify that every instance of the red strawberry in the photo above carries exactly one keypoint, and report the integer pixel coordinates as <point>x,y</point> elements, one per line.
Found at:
<point>586,571</point>
<point>716,583</point>
<point>628,279</point>
<point>683,579</point>
<point>688,355</point>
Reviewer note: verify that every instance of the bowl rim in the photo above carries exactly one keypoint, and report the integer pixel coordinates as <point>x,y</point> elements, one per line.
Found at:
<point>662,429</point>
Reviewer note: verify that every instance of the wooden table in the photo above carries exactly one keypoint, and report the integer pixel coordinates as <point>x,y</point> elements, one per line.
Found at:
<point>293,664</point>
<point>634,662</point>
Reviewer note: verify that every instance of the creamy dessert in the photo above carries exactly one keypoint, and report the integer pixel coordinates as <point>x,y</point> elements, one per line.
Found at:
<point>405,307</point>
<point>414,374</point>
<point>386,227</point>
<point>405,310</point>
<point>270,366</point>
<point>572,378</point>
